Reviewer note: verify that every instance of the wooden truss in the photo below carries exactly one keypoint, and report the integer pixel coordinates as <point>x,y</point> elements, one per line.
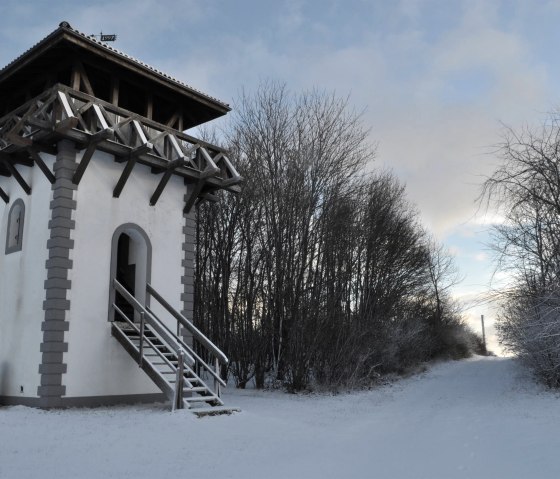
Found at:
<point>93,124</point>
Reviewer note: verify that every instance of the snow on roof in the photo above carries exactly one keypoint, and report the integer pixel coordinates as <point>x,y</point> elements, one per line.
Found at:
<point>65,26</point>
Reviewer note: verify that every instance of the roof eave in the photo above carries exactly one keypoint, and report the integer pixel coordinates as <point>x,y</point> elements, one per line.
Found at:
<point>67,33</point>
<point>137,67</point>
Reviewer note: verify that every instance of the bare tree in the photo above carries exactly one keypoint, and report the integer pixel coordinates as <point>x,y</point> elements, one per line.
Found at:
<point>526,190</point>
<point>316,272</point>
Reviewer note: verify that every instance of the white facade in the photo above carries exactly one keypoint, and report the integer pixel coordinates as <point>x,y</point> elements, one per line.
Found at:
<point>22,277</point>
<point>97,364</point>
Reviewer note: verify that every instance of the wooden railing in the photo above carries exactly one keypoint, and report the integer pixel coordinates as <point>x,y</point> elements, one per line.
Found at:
<point>94,124</point>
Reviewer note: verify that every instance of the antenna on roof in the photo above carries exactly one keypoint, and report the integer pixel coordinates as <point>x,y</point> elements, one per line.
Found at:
<point>106,38</point>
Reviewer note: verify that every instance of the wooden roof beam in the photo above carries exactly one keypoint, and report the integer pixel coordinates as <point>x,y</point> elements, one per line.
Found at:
<point>82,78</point>
<point>66,124</point>
<point>209,197</point>
<point>88,154</point>
<point>132,158</point>
<point>17,140</point>
<point>100,117</point>
<point>46,125</point>
<point>4,196</point>
<point>234,177</point>
<point>13,135</point>
<point>173,120</point>
<point>124,176</point>
<point>117,127</point>
<point>66,108</point>
<point>121,153</point>
<point>34,154</point>
<point>71,113</point>
<point>149,106</point>
<point>140,132</point>
<point>126,119</point>
<point>81,169</point>
<point>55,113</point>
<point>211,167</point>
<point>191,200</point>
<point>114,90</point>
<point>15,173</point>
<point>173,165</point>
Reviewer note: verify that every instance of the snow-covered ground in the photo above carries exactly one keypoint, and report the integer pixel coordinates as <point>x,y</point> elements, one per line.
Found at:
<point>479,418</point>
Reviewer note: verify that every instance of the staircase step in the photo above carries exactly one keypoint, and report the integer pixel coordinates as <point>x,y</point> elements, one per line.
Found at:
<point>210,398</point>
<point>194,384</point>
<point>136,342</point>
<point>160,362</point>
<point>135,335</point>
<point>149,345</point>
<point>214,411</point>
<point>197,389</point>
<point>173,381</point>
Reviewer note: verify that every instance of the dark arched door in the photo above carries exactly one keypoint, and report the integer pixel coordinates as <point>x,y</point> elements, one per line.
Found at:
<point>125,274</point>
<point>131,257</point>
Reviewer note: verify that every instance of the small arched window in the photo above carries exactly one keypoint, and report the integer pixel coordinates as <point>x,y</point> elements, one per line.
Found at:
<point>14,237</point>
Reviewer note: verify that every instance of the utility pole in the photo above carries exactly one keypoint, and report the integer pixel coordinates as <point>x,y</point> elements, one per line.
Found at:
<point>483,332</point>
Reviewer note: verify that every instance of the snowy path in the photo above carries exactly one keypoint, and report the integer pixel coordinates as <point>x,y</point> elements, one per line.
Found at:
<point>478,418</point>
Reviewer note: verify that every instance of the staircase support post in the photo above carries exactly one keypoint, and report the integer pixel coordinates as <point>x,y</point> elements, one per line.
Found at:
<point>141,347</point>
<point>216,383</point>
<point>179,381</point>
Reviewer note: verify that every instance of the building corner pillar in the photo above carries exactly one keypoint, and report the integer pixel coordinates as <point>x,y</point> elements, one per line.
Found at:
<point>187,280</point>
<point>57,285</point>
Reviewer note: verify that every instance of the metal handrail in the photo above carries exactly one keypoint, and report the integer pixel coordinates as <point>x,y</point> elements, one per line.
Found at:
<point>193,353</point>
<point>175,342</point>
<point>150,319</point>
<point>179,369</point>
<point>152,345</point>
<point>198,335</point>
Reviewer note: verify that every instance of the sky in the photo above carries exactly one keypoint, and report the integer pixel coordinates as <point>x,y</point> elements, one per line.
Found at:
<point>437,81</point>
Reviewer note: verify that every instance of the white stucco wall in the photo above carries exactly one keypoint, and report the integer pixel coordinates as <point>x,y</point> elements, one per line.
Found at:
<point>22,276</point>
<point>97,364</point>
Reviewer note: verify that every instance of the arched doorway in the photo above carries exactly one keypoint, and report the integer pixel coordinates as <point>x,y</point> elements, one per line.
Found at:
<point>131,261</point>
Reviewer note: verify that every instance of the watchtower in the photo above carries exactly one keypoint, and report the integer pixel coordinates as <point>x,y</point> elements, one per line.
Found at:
<point>98,182</point>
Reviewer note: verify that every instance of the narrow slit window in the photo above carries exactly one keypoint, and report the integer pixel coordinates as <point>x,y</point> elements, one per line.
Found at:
<point>14,238</point>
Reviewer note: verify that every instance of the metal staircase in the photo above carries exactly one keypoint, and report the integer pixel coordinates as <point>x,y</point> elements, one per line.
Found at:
<point>172,364</point>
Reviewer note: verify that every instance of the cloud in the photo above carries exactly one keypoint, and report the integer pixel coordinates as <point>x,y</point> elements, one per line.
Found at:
<point>435,77</point>
<point>455,251</point>
<point>451,141</point>
<point>480,257</point>
<point>430,132</point>
<point>292,17</point>
<point>433,92</point>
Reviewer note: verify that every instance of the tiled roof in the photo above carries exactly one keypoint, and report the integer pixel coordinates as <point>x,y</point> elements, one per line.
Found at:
<point>65,26</point>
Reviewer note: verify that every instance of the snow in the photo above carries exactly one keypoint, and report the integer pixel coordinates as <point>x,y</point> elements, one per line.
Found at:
<point>478,418</point>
